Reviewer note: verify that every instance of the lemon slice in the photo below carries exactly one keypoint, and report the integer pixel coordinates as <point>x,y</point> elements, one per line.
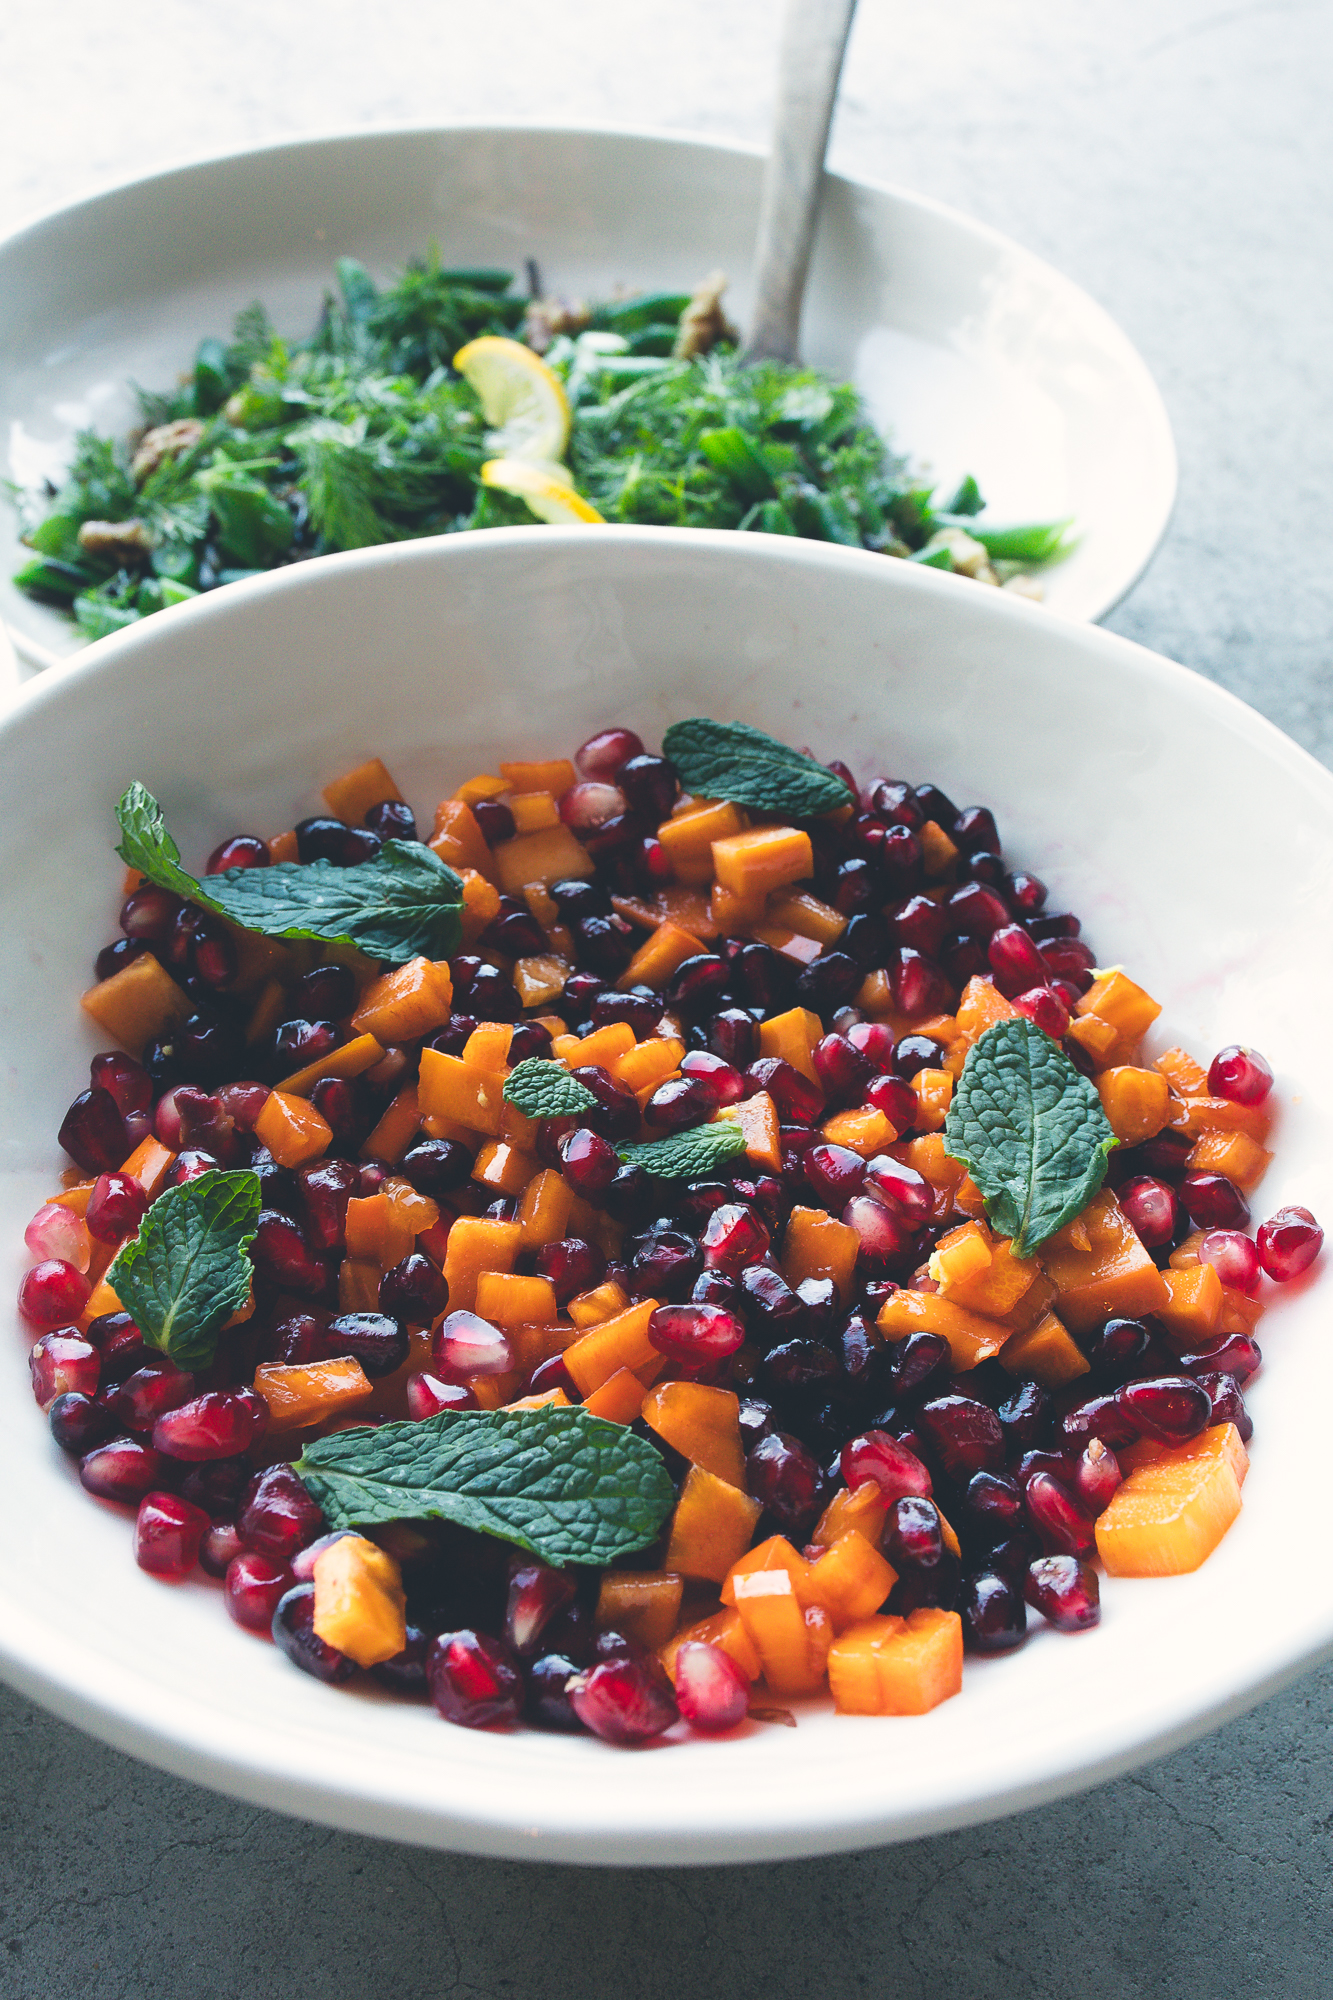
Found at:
<point>543,486</point>
<point>520,397</point>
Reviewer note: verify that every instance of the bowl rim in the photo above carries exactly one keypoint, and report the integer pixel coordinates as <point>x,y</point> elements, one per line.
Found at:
<point>29,229</point>
<point>173,1732</point>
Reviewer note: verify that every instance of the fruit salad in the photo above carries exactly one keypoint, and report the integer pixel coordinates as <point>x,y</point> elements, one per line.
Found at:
<point>691,1233</point>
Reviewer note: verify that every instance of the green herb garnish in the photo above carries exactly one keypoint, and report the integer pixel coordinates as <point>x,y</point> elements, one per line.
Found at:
<point>690,1155</point>
<point>567,1486</point>
<point>403,904</point>
<point>187,1271</point>
<point>1030,1130</point>
<point>541,1089</point>
<point>729,760</point>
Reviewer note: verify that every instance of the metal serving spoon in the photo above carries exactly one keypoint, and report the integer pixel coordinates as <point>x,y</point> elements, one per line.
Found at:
<point>814,41</point>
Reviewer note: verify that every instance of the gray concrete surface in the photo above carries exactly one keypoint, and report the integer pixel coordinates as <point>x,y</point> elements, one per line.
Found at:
<point>1174,157</point>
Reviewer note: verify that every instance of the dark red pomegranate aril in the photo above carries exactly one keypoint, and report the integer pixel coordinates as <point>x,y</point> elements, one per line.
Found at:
<point>683,1102</point>
<point>465,1345</point>
<point>1097,1476</point>
<point>278,1516</point>
<point>628,1699</point>
<point>834,1172</point>
<point>1288,1243</point>
<point>1234,1258</point>
<point>1023,1414</point>
<point>1153,1210</point>
<point>323,1191</point>
<point>1211,1201</point>
<point>1044,1007</point>
<point>1105,1417</point>
<point>787,1479</point>
<point>711,1691</point>
<point>697,984</point>
<point>1026,893</point>
<point>1240,1075</point>
<point>1237,1354</point>
<point>167,1534</point>
<point>975,828</point>
<point>897,1472</point>
<point>798,1100</point>
<point>1171,1407</point>
<point>571,1265</point>
<point>693,1334</point>
<point>874,1040</point>
<point>126,1081</point>
<point>150,913</point>
<point>1015,961</point>
<point>78,1423</point>
<point>923,924</point>
<point>769,1303</point>
<point>122,1469</point>
<point>63,1363</point>
<point>427,1395</point>
<point>913,1537</point>
<point>903,1185</point>
<point>219,1547</point>
<point>589,806</point>
<point>414,1292</point>
<point>242,850</point>
<point>92,1132</point>
<point>977,912</point>
<point>842,1069</point>
<point>537,1595</point>
<point>218,1485</point>
<point>1065,1591</point>
<point>883,1237</point>
<point>547,1704</point>
<point>589,1162</point>
<point>114,957</point>
<point>253,1588</point>
<point>281,1253</point>
<point>733,1237</point>
<point>150,1392</point>
<point>919,984</point>
<point>214,1425</point>
<point>964,1434</point>
<point>733,1036</point>
<point>993,1612</point>
<point>1228,1403</point>
<point>995,1499</point>
<point>1056,1516</point>
<point>473,1679</point>
<point>1116,1351</point>
<point>920,1362</point>
<point>116,1207</point>
<point>896,1099</point>
<point>294,1634</point>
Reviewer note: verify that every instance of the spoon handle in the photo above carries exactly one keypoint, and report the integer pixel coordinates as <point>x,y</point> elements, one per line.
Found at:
<point>814,41</point>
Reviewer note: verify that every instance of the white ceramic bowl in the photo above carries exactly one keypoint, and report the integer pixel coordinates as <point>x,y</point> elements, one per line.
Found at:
<point>973,353</point>
<point>1192,838</point>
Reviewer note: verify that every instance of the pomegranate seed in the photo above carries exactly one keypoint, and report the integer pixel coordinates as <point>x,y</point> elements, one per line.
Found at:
<point>920,1361</point>
<point>1053,1513</point>
<point>150,913</point>
<point>628,1699</point>
<point>323,1192</point>
<point>278,1516</point>
<point>1171,1407</point>
<point>919,984</point>
<point>589,1162</point>
<point>1288,1243</point>
<point>167,1121</point>
<point>1239,1354</point>
<point>786,1477</point>
<point>214,1425</point>
<point>473,1679</point>
<point>1239,1074</point>
<point>834,1172</point>
<point>167,1534</point>
<point>548,1705</point>
<point>1228,1403</point>
<point>63,1363</point>
<point>219,1548</point>
<point>78,1422</point>
<point>465,1345</point>
<point>965,1434</point>
<point>1116,1351</point>
<point>896,1099</point>
<point>1104,1417</point>
<point>253,1588</point>
<point>1213,1202</point>
<point>150,1392</point>
<point>883,1238</point>
<point>281,1254</point>
<point>218,1484</point>
<point>116,1207</point>
<point>798,1100</point>
<point>1068,959</point>
<point>1097,1476</point>
<point>975,828</point>
<point>842,1069</point>
<point>604,754</point>
<point>53,1293</point>
<point>122,1470</point>
<point>732,1035</point>
<point>587,807</point>
<point>994,1615</point>
<point>1234,1258</point>
<point>978,912</point>
<point>678,1104</point>
<point>405,1673</point>
<point>895,1470</point>
<point>913,1538</point>
<point>92,1132</point>
<point>1045,1009</point>
<point>1023,1414</point>
<point>722,1080</point>
<point>733,1237</point>
<point>413,1291</point>
<point>537,1595</point>
<point>572,1266</point>
<point>495,821</point>
<point>427,1395</point>
<point>1065,1591</point>
<point>664,1266</point>
<point>921,924</point>
<point>1026,893</point>
<point>294,1633</point>
<point>902,1185</point>
<point>57,1234</point>
<point>995,1499</point>
<point>711,1691</point>
<point>243,850</point>
<point>127,1081</point>
<point>692,1334</point>
<point>1153,1211</point>
<point>1015,961</point>
<point>769,1302</point>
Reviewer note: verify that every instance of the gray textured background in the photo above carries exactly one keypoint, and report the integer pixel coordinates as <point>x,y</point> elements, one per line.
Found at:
<point>1174,157</point>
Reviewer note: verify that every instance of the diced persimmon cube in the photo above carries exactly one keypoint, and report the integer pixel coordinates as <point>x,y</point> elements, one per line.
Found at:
<point>350,797</point>
<point>701,1423</point>
<point>619,1400</point>
<point>1222,1441</point>
<point>360,1606</point>
<point>481,905</point>
<point>478,1243</point>
<point>792,1644</point>
<point>406,1003</point>
<point>1168,1516</point>
<point>762,859</point>
<point>621,1342</point>
<point>447,1087</point>
<point>602,1303</point>
<point>533,811</point>
<point>1242,1159</point>
<point>1044,1353</point>
<point>1186,1077</point>
<point>545,1209</point>
<point>805,913</point>
<point>724,1629</point>
<point>688,837</point>
<point>547,774</point>
<point>927,1157</point>
<point>735,916</point>
<point>397,1127</point>
<point>1097,1039</point>
<point>603,1046</point>
<point>647,1064</point>
<point>817,1245</point>
<point>139,1004</point>
<point>922,1666</point>
<point>934,1094</point>
<point>101,1299</point>
<point>792,1036</point>
<point>864,1131</point>
<point>758,1119</point>
<point>1112,1277</point>
<point>359,1284</point>
<point>1116,999</point>
<point>642,1605</point>
<point>659,956</point>
<point>503,1168</point>
<point>292,1129</point>
<point>377,1230</point>
<point>540,978</point>
<point>553,855</point>
<point>853,1664</point>
<point>1136,1102</point>
<point>555,1399</point>
<point>311,1392</point>
<point>775,1553</point>
<point>711,1526</point>
<point>1193,1305</point>
<point>1195,1116</point>
<point>851,1579</point>
<point>487,1047</point>
<point>352,1059</point>
<point>981,1006</point>
<point>485,786</point>
<point>938,852</point>
<point>1239,1314</point>
<point>148,1164</point>
<point>857,1510</point>
<point>971,1338</point>
<point>963,1254</point>
<point>508,1299</point>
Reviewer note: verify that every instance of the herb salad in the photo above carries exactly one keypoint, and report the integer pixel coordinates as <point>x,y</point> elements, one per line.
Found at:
<point>375,429</point>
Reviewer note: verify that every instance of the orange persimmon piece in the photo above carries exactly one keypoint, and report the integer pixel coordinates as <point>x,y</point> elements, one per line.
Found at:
<point>292,1129</point>
<point>603,1046</point>
<point>965,1253</point>
<point>1186,1077</point>
<point>447,1087</point>
<point>851,1579</point>
<point>283,847</point>
<point>619,1399</point>
<point>927,1157</point>
<point>734,915</point>
<point>1193,1305</point>
<point>378,1232</point>
<point>532,811</point>
<point>792,1644</point>
<point>648,1063</point>
<point>938,852</point>
<point>553,855</point>
<point>485,786</point>
<point>137,1005</point>
<point>477,1243</point>
<point>350,797</point>
<point>1136,1102</point>
<point>148,1165</point>
<point>817,1245</point>
<point>981,1006</point>
<point>897,1666</point>
<point>458,840</point>
<point>406,1003</point>
<point>1169,1516</point>
<point>1126,1007</point>
<point>776,1553</point>
<point>1113,1276</point>
<point>711,1527</point>
<point>101,1299</point>
<point>550,774</point>
<point>864,1131</point>
<point>758,1119</point>
<point>487,1047</point>
<point>724,1629</point>
<point>594,1308</point>
<point>1218,1441</point>
<point>544,1212</point>
<point>359,1284</point>
<point>659,956</point>
<point>556,1398</point>
<point>856,1510</point>
<point>621,1342</point>
<point>762,859</point>
<point>1242,1159</point>
<point>308,1393</point>
<point>359,1603</point>
<point>505,1168</point>
<point>354,1057</point>
<point>792,1036</point>
<point>642,1605</point>
<point>1097,1039</point>
<point>702,1424</point>
<point>1044,1353</point>
<point>934,1094</point>
<point>971,1338</point>
<point>688,837</point>
<point>396,1128</point>
<point>509,1299</point>
<point>802,912</point>
<point>801,950</point>
<point>992,1287</point>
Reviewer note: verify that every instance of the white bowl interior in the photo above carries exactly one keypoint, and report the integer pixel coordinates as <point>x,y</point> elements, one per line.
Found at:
<point>972,353</point>
<point>1144,796</point>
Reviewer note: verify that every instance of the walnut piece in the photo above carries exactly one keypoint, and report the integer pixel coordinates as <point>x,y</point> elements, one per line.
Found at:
<point>122,541</point>
<point>164,441</point>
<point>545,318</point>
<point>703,322</point>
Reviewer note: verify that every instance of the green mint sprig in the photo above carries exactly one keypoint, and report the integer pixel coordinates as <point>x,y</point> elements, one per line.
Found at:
<point>691,1155</point>
<point>542,1089</point>
<point>566,1486</point>
<point>729,760</point>
<point>188,1269</point>
<point>403,904</point>
<point>1030,1130</point>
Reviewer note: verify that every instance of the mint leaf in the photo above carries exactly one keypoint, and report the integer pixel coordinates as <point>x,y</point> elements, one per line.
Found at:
<point>729,760</point>
<point>404,904</point>
<point>687,1156</point>
<point>186,1272</point>
<point>1030,1130</point>
<point>568,1487</point>
<point>542,1089</point>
